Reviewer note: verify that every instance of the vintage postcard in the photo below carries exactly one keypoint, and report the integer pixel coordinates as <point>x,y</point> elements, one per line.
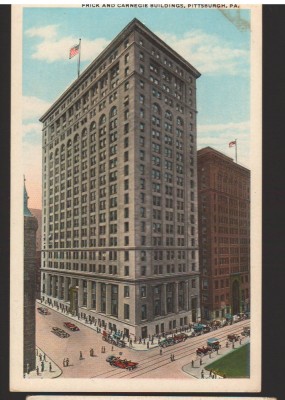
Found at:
<point>136,198</point>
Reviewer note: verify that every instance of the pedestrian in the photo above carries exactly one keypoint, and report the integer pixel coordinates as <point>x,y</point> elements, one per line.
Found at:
<point>80,355</point>
<point>173,357</point>
<point>67,362</point>
<point>202,374</point>
<point>147,345</point>
<point>44,357</point>
<point>200,360</point>
<point>192,363</point>
<point>43,366</point>
<point>40,356</point>
<point>50,367</point>
<point>38,370</point>
<point>64,362</point>
<point>104,349</point>
<point>160,351</point>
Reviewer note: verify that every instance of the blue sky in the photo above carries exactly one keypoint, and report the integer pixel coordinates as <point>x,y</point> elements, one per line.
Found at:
<point>205,38</point>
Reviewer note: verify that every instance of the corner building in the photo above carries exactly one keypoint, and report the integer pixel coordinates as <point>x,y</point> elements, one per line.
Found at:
<point>224,235</point>
<point>120,240</point>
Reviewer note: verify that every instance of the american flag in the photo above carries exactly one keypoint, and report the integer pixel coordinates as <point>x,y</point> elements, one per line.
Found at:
<point>73,51</point>
<point>233,143</point>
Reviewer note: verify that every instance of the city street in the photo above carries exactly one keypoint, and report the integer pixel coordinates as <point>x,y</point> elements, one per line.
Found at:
<point>152,364</point>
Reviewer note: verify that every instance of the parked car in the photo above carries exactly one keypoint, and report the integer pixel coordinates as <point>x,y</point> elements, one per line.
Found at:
<point>71,326</point>
<point>246,331</point>
<point>233,337</point>
<point>112,339</point>
<point>202,351</point>
<point>213,343</point>
<point>110,358</point>
<point>124,364</point>
<point>60,332</point>
<point>168,341</point>
<point>43,311</point>
<point>180,337</point>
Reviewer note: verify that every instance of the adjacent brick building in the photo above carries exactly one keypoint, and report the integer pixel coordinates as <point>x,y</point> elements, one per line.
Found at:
<point>224,234</point>
<point>30,229</point>
<point>120,237</point>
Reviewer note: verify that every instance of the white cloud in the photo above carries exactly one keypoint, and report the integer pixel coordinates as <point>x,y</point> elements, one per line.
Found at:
<point>46,32</point>
<point>33,107</point>
<point>54,48</point>
<point>210,54</point>
<point>233,126</point>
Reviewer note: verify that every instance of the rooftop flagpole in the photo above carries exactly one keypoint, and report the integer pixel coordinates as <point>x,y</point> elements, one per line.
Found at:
<point>78,63</point>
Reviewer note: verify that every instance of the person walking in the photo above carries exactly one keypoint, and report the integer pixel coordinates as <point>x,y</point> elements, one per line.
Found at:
<point>173,357</point>
<point>200,360</point>
<point>67,362</point>
<point>80,355</point>
<point>50,367</point>
<point>202,374</point>
<point>192,363</point>
<point>64,362</point>
<point>40,356</point>
<point>44,357</point>
<point>160,351</point>
<point>43,366</point>
<point>38,370</point>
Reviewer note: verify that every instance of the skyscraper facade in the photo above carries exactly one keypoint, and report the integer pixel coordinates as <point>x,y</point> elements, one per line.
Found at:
<point>224,235</point>
<point>120,239</point>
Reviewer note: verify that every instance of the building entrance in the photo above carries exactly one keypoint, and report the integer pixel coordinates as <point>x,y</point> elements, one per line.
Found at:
<point>235,298</point>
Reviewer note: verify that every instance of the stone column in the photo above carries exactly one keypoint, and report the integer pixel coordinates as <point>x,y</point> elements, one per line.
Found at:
<point>53,285</point>
<point>48,276</point>
<point>60,279</point>
<point>163,299</point>
<point>98,296</point>
<point>66,288</point>
<point>186,295</point>
<point>89,294</point>
<point>175,297</point>
<point>80,293</point>
<point>108,298</point>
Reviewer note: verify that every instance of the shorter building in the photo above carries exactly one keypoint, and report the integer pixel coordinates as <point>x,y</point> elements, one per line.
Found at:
<point>224,235</point>
<point>30,229</point>
<point>38,214</point>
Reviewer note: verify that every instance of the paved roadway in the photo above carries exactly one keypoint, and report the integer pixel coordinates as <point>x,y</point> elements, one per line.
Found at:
<point>151,363</point>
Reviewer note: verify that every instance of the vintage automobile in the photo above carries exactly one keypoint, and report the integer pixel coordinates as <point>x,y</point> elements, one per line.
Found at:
<point>202,351</point>
<point>199,328</point>
<point>60,332</point>
<point>246,331</point>
<point>71,326</point>
<point>233,337</point>
<point>180,337</point>
<point>43,311</point>
<point>168,341</point>
<point>119,363</point>
<point>112,339</point>
<point>207,329</point>
<point>213,343</point>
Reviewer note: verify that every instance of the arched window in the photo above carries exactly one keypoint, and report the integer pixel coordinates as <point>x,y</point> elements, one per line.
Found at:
<point>102,119</point>
<point>168,115</point>
<point>76,138</point>
<point>113,112</point>
<point>180,121</point>
<point>92,126</point>
<point>156,108</point>
<point>56,152</point>
<point>69,143</point>
<point>84,133</point>
<point>62,148</point>
<point>51,156</point>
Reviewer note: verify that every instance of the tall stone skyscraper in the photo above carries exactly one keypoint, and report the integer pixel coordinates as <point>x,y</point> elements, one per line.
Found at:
<point>30,229</point>
<point>120,238</point>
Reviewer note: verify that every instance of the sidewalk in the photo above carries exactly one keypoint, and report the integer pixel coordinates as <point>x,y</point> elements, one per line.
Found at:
<point>196,370</point>
<point>45,367</point>
<point>143,346</point>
